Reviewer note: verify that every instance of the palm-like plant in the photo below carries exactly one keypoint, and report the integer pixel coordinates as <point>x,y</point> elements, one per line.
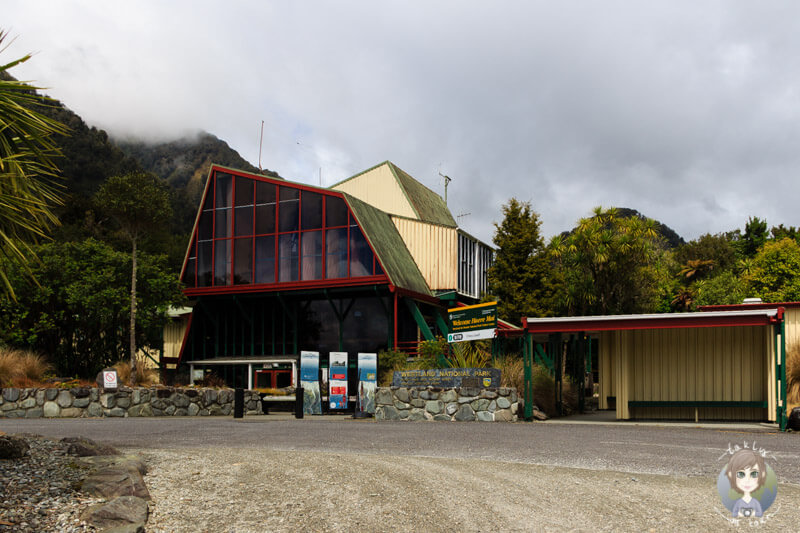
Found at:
<point>27,169</point>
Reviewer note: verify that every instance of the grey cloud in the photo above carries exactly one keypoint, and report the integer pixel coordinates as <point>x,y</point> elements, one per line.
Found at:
<point>687,112</point>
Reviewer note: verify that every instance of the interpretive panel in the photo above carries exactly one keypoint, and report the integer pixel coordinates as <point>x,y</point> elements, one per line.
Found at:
<point>367,381</point>
<point>338,380</point>
<point>309,380</point>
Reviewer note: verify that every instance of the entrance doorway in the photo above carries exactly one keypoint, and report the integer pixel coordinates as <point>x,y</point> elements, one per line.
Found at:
<point>273,379</point>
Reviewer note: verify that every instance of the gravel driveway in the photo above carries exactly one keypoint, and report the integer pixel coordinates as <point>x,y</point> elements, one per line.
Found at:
<point>243,490</point>
<point>334,474</point>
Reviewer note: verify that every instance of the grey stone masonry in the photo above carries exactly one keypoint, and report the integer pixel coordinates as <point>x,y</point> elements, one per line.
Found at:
<point>462,404</point>
<point>85,402</point>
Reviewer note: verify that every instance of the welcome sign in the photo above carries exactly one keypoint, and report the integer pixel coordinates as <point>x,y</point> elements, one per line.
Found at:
<point>472,322</point>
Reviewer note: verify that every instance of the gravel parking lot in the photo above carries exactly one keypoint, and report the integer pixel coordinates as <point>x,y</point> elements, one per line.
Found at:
<point>275,473</point>
<point>244,490</point>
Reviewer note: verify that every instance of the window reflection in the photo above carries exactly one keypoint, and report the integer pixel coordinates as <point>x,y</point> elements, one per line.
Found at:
<point>311,259</point>
<point>250,231</point>
<point>287,257</point>
<point>222,262</point>
<point>336,253</point>
<point>265,259</point>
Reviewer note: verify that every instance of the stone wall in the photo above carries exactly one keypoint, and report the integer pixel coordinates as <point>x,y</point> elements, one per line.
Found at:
<point>464,404</point>
<point>84,402</point>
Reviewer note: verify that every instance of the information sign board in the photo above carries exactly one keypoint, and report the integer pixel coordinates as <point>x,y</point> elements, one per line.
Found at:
<point>367,381</point>
<point>472,322</point>
<point>337,381</point>
<point>309,380</point>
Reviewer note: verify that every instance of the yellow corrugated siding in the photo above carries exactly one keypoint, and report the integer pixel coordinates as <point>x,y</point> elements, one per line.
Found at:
<point>791,318</point>
<point>434,249</point>
<point>379,188</point>
<point>715,364</point>
<point>174,332</point>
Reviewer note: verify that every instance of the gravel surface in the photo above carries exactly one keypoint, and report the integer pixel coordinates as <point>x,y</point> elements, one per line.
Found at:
<point>256,490</point>
<point>38,492</point>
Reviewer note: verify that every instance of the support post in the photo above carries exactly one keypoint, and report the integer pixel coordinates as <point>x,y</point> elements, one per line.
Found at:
<point>527,361</point>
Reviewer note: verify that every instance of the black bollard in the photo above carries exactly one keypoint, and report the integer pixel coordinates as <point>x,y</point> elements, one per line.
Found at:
<point>238,403</point>
<point>298,403</point>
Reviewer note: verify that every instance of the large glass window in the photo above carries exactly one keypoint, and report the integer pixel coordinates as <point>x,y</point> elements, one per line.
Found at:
<point>243,261</point>
<point>336,253</point>
<point>191,265</point>
<point>222,262</point>
<point>335,212</point>
<point>287,257</point>
<point>289,209</point>
<point>223,191</point>
<point>205,253</point>
<point>244,221</point>
<point>265,259</point>
<point>253,231</point>
<point>360,254</point>
<point>311,259</point>
<point>311,210</point>
<point>244,191</point>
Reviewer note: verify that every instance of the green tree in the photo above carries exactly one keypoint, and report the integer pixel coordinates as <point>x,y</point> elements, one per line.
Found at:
<point>612,265</point>
<point>726,288</point>
<point>774,275</point>
<point>78,314</point>
<point>520,277</point>
<point>27,169</point>
<point>754,236</point>
<point>139,202</point>
<point>714,248</point>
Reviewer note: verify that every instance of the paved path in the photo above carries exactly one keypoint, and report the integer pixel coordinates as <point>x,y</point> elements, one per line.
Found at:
<point>653,449</point>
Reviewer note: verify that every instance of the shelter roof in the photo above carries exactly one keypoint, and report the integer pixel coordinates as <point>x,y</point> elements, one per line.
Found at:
<point>751,317</point>
<point>743,306</point>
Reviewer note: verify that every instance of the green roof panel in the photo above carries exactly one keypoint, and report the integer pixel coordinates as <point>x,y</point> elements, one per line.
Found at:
<point>389,246</point>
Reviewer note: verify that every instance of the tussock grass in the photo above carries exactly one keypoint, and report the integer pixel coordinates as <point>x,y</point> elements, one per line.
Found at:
<point>144,376</point>
<point>22,368</point>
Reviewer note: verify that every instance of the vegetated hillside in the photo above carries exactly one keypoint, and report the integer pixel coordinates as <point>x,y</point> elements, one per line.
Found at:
<point>89,157</point>
<point>670,236</point>
<point>184,163</point>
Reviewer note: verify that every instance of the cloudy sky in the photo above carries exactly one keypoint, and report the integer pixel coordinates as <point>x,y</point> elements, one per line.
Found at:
<point>686,111</point>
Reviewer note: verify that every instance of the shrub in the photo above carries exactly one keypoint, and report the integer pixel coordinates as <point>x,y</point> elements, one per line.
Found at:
<point>469,355</point>
<point>19,368</point>
<point>213,381</point>
<point>388,362</point>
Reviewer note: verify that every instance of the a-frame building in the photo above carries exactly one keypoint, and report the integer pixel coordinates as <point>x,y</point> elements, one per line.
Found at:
<point>275,267</point>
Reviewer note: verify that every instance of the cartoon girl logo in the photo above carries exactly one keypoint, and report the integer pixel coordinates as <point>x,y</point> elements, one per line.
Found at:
<point>747,485</point>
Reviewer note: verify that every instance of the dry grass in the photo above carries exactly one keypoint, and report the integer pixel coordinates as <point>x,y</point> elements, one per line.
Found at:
<point>20,368</point>
<point>512,372</point>
<point>144,376</point>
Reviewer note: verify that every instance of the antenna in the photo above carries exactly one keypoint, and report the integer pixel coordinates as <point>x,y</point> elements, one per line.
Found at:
<point>462,215</point>
<point>260,141</point>
<point>447,180</point>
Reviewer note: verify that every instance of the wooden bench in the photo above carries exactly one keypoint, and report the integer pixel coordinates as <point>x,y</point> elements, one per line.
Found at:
<point>697,404</point>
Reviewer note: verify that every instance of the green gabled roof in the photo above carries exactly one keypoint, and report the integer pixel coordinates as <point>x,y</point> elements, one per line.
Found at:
<point>430,207</point>
<point>392,252</point>
<point>426,204</point>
